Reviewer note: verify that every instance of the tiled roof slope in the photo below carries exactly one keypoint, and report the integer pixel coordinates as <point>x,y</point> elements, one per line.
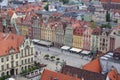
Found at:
<point>93,66</point>
<point>50,75</point>
<point>113,75</point>
<point>8,41</point>
<point>81,73</point>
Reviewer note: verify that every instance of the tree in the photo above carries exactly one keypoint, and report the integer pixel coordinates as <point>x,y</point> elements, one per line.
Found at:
<point>106,26</point>
<point>46,56</point>
<point>46,7</point>
<point>93,24</point>
<point>52,57</point>
<point>57,59</point>
<point>64,1</point>
<point>108,17</point>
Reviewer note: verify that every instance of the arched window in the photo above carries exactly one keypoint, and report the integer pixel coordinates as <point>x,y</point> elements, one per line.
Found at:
<point>2,74</point>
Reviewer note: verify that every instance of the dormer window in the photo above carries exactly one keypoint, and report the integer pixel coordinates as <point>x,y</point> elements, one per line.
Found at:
<point>11,50</point>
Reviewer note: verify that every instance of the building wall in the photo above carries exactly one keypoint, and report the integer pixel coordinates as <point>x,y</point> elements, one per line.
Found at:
<point>59,36</point>
<point>47,34</point>
<point>68,38</point>
<point>94,42</point>
<point>104,41</point>
<point>36,33</point>
<point>87,38</point>
<point>116,35</point>
<point>42,33</point>
<point>14,60</point>
<point>77,41</point>
<point>24,30</point>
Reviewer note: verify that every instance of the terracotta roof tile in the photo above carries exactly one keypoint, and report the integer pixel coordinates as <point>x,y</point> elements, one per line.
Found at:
<point>96,31</point>
<point>81,73</point>
<point>113,75</point>
<point>50,75</point>
<point>118,76</point>
<point>79,31</point>
<point>9,40</point>
<point>93,66</point>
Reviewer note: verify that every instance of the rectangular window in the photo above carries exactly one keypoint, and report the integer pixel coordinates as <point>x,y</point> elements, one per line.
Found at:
<point>11,57</point>
<point>21,53</point>
<point>25,61</point>
<point>28,60</point>
<point>16,63</point>
<point>7,58</point>
<point>2,67</point>
<point>7,66</point>
<point>22,62</point>
<point>2,59</point>
<point>25,52</point>
<point>16,56</point>
<point>32,59</point>
<point>32,50</point>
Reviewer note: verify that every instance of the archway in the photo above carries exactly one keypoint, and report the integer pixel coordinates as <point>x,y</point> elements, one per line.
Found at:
<point>12,71</point>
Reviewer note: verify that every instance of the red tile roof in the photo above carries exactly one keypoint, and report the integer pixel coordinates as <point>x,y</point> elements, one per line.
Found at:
<point>93,66</point>
<point>81,73</point>
<point>79,31</point>
<point>8,41</point>
<point>113,75</point>
<point>50,75</point>
<point>118,76</point>
<point>116,1</point>
<point>96,31</point>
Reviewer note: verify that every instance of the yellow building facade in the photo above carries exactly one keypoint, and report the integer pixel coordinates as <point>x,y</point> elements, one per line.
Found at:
<point>77,41</point>
<point>47,34</point>
<point>24,30</point>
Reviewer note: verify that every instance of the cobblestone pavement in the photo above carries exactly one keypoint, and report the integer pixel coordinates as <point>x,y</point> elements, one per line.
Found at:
<point>71,59</point>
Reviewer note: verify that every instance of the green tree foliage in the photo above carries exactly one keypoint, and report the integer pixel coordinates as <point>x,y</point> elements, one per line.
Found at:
<point>93,24</point>
<point>57,59</point>
<point>5,77</point>
<point>46,56</point>
<point>64,1</point>
<point>108,17</point>
<point>106,26</point>
<point>46,7</point>
<point>45,0</point>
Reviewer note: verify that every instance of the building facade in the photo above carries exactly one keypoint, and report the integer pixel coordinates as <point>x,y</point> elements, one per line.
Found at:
<point>104,40</point>
<point>59,33</point>
<point>17,54</point>
<point>78,37</point>
<point>68,38</point>
<point>87,38</point>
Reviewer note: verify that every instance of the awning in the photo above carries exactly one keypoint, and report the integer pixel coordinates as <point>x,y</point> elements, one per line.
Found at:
<point>65,47</point>
<point>75,50</point>
<point>35,40</point>
<point>85,52</point>
<point>45,43</point>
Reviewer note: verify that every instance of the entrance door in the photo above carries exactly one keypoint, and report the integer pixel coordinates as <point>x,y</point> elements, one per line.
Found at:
<point>12,71</point>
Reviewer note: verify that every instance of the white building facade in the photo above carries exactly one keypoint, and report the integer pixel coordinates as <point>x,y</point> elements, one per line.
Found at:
<point>13,63</point>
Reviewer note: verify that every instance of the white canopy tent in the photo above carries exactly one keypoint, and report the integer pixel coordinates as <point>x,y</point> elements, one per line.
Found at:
<point>75,50</point>
<point>35,40</point>
<point>65,47</point>
<point>85,52</point>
